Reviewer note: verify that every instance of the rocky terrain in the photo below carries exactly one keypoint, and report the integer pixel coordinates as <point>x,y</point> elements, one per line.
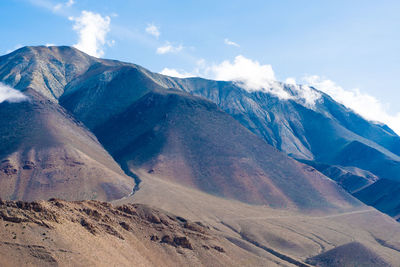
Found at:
<point>56,232</point>
<point>81,233</point>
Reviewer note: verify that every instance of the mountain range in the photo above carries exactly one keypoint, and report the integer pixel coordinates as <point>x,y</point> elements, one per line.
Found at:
<point>256,168</point>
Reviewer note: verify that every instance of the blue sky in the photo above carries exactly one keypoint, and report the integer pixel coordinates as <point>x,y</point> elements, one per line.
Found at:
<point>349,47</point>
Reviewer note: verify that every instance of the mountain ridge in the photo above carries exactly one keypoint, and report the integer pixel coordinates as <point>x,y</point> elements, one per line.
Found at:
<point>284,124</point>
<point>162,129</point>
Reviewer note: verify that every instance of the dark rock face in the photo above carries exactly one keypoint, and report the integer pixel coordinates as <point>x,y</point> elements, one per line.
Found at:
<point>182,241</point>
<point>8,169</point>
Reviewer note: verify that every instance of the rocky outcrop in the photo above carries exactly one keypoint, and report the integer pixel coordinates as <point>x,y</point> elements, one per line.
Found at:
<point>49,219</point>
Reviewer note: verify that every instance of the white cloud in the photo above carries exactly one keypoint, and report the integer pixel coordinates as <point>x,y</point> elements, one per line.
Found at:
<point>169,48</point>
<point>248,73</point>
<point>366,105</point>
<point>290,81</point>
<point>49,44</point>
<point>60,6</point>
<point>229,42</point>
<point>153,30</point>
<point>303,94</point>
<point>176,73</point>
<point>92,29</point>
<point>308,94</point>
<point>253,76</point>
<point>11,95</point>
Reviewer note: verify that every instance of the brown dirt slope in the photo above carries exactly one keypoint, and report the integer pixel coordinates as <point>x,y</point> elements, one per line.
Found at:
<point>91,233</point>
<point>190,141</point>
<point>45,152</point>
<point>348,255</point>
<point>289,235</point>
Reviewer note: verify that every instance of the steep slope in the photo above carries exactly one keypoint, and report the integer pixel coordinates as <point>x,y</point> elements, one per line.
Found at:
<point>99,90</point>
<point>45,69</point>
<point>282,122</point>
<point>350,178</point>
<point>295,128</point>
<point>383,195</point>
<point>290,125</point>
<point>95,90</point>
<point>104,91</point>
<point>326,134</point>
<point>363,156</point>
<point>189,141</point>
<point>44,152</point>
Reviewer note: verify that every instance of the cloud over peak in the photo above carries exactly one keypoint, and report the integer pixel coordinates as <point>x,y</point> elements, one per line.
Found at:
<point>176,73</point>
<point>364,104</point>
<point>254,76</point>
<point>303,94</point>
<point>92,29</point>
<point>11,95</point>
<point>249,74</point>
